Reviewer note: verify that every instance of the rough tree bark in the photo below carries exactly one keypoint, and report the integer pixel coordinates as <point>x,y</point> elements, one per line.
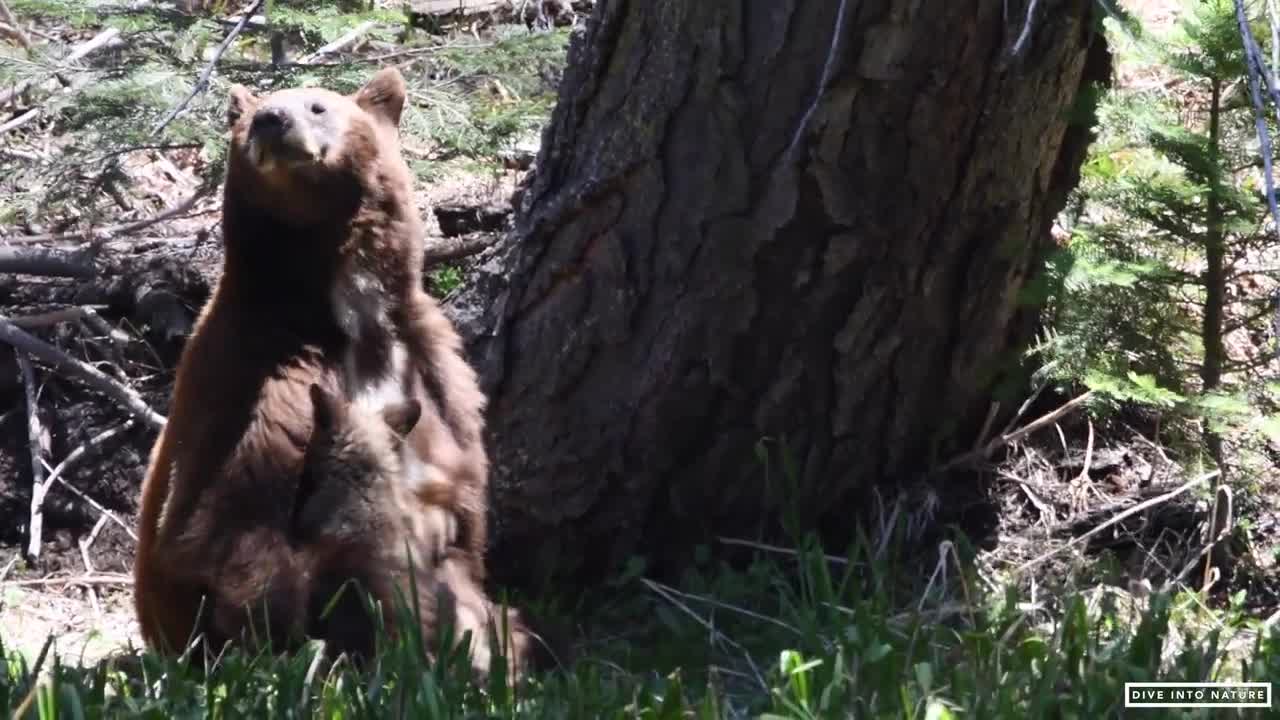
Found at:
<point>789,220</point>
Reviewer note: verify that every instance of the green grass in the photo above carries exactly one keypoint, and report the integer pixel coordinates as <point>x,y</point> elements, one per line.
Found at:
<point>784,637</point>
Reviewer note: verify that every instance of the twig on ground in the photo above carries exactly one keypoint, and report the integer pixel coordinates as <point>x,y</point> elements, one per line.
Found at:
<point>8,567</point>
<point>340,44</point>
<point>115,230</point>
<point>98,506</point>
<point>126,397</point>
<point>21,120</point>
<point>33,322</point>
<point>86,543</point>
<point>733,608</point>
<point>94,579</point>
<point>716,635</point>
<point>1003,439</point>
<point>46,263</point>
<point>39,443</point>
<point>776,549</point>
<point>457,248</point>
<point>93,443</point>
<point>1119,517</point>
<point>203,81</point>
<point>986,424</point>
<point>98,41</point>
<point>7,16</point>
<point>21,154</point>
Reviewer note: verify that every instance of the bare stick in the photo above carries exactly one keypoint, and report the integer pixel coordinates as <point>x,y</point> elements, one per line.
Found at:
<point>23,40</point>
<point>98,41</point>
<point>340,44</point>
<point>1121,516</point>
<point>19,121</point>
<point>93,537</point>
<point>44,263</point>
<point>776,549</point>
<point>32,322</point>
<point>458,248</point>
<point>104,579</point>
<point>126,397</point>
<point>203,80</point>
<point>74,456</point>
<point>39,437</point>
<point>85,544</point>
<point>119,338</point>
<point>1000,441</point>
<point>115,230</point>
<point>716,635</point>
<point>98,506</point>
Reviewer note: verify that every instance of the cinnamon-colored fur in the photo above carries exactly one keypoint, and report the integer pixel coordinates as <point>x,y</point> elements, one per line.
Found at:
<point>321,283</point>
<point>351,515</point>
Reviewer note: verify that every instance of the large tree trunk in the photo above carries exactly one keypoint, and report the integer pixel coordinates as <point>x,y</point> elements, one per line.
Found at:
<point>780,220</point>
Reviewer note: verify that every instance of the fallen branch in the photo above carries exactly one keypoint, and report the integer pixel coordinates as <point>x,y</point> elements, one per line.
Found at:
<point>97,42</point>
<point>39,443</point>
<point>458,248</point>
<point>1001,440</point>
<point>21,120</point>
<point>203,80</point>
<point>7,16</point>
<point>93,443</point>
<point>340,44</point>
<point>104,579</point>
<point>115,230</point>
<point>46,263</point>
<point>776,549</point>
<point>1126,514</point>
<point>125,397</point>
<point>55,317</point>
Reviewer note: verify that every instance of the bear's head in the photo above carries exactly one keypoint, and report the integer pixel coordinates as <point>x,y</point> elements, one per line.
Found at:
<point>309,156</point>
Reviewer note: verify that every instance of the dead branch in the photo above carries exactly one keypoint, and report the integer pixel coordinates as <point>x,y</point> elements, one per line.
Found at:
<point>125,397</point>
<point>103,579</point>
<point>97,42</point>
<point>340,44</point>
<point>43,320</point>
<point>21,120</point>
<point>115,230</point>
<point>46,263</point>
<point>39,443</point>
<point>7,16</point>
<point>457,248</point>
<point>21,154</point>
<point>1119,517</point>
<point>776,549</point>
<point>86,543</point>
<point>203,81</point>
<point>1000,441</point>
<point>90,445</point>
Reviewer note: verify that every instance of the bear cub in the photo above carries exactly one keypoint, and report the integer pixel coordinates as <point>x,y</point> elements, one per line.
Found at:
<point>367,526</point>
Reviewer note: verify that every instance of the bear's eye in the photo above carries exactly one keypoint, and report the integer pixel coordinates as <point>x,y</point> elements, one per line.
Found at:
<point>317,108</point>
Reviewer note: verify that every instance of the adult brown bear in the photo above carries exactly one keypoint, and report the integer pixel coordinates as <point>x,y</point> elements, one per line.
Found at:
<point>321,283</point>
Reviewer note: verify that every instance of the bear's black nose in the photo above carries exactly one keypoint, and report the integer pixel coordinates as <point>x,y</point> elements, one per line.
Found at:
<point>270,122</point>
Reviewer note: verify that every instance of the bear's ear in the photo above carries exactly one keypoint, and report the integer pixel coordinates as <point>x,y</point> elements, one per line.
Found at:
<point>402,417</point>
<point>383,96</point>
<point>241,103</point>
<point>327,410</point>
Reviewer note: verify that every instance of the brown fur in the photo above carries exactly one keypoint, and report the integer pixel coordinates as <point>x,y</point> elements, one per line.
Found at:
<point>351,513</point>
<point>321,283</point>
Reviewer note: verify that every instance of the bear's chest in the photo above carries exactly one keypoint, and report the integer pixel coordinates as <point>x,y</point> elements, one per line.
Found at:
<point>375,364</point>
